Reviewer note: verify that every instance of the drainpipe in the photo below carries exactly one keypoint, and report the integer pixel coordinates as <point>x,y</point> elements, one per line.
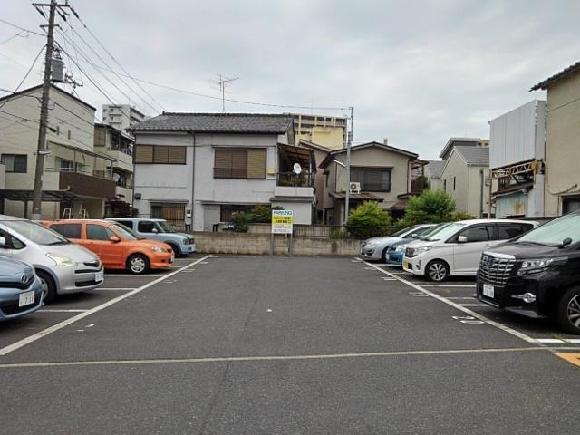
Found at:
<point>481,189</point>
<point>193,183</point>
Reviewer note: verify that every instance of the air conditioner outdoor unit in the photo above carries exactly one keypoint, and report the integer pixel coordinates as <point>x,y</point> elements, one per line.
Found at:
<point>354,187</point>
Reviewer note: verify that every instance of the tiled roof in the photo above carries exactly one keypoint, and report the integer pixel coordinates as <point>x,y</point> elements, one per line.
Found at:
<point>436,167</point>
<point>217,122</point>
<point>550,80</point>
<point>474,155</point>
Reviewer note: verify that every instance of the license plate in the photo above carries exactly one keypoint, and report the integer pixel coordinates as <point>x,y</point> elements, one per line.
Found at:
<point>488,291</point>
<point>407,265</point>
<point>99,276</point>
<point>26,299</point>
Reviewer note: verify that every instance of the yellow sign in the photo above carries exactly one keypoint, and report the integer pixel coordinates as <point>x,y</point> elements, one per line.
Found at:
<point>282,221</point>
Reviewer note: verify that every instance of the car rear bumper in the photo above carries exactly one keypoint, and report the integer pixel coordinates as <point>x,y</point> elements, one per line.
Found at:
<point>188,249</point>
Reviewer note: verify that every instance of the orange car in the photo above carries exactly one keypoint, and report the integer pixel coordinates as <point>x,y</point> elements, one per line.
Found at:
<point>115,245</point>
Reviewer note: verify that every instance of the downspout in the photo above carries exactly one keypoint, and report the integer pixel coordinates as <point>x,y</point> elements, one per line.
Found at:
<point>193,183</point>
<point>481,188</point>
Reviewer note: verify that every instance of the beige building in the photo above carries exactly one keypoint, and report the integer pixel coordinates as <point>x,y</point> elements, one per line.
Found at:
<point>464,176</point>
<point>118,145</point>
<point>384,173</point>
<point>562,178</point>
<point>76,179</point>
<point>121,116</point>
<point>326,131</point>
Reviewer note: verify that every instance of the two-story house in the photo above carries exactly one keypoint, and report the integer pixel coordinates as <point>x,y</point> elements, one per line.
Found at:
<point>76,180</point>
<point>465,173</point>
<point>198,168</point>
<point>562,180</point>
<point>385,174</point>
<point>118,145</point>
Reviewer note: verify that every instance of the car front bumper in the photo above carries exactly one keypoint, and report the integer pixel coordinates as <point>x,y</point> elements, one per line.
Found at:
<point>9,301</point>
<point>371,253</point>
<point>396,258</point>
<point>188,249</point>
<point>77,279</point>
<point>413,265</point>
<point>161,261</point>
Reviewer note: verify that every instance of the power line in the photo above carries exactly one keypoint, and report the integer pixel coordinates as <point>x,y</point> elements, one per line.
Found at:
<point>21,28</point>
<point>77,16</point>
<point>25,76</point>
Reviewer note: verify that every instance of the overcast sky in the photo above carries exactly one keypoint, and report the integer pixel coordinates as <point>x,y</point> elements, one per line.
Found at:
<point>417,72</point>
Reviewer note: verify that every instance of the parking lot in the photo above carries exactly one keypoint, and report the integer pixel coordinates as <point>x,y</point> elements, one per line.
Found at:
<point>284,345</point>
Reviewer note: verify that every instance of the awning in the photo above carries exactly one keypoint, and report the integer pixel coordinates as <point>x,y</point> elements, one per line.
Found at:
<point>47,195</point>
<point>364,196</point>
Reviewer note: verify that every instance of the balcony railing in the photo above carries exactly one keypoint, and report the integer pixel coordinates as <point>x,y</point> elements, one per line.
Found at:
<point>291,179</point>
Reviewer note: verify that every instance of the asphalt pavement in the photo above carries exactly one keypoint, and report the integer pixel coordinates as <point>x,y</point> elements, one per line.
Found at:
<point>280,345</point>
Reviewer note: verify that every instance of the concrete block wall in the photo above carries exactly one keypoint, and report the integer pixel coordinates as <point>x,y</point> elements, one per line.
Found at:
<point>261,244</point>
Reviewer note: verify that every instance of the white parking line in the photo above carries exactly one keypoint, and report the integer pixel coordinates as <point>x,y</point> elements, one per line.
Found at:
<point>448,285</point>
<point>471,298</point>
<point>272,357</point>
<point>115,288</point>
<point>472,313</point>
<point>61,311</point>
<point>557,340</point>
<point>34,337</point>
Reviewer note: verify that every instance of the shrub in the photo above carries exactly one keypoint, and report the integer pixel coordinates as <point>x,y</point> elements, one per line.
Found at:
<point>262,214</point>
<point>241,219</point>
<point>430,207</point>
<point>460,215</point>
<point>369,220</point>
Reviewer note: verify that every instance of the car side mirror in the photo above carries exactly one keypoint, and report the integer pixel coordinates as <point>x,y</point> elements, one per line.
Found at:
<point>414,235</point>
<point>115,239</point>
<point>462,239</point>
<point>154,230</point>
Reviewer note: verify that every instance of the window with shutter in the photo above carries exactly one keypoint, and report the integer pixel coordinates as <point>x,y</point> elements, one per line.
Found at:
<point>160,154</point>
<point>239,164</point>
<point>256,163</point>
<point>223,164</point>
<point>143,153</point>
<point>177,156</point>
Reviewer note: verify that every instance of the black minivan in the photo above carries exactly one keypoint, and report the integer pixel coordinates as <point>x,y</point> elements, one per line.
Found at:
<point>537,274</point>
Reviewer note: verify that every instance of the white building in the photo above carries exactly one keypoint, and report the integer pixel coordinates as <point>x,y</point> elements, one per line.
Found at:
<point>76,179</point>
<point>205,166</point>
<point>517,151</point>
<point>121,116</point>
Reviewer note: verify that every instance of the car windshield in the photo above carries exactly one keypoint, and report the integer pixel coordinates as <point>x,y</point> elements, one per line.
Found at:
<point>403,232</point>
<point>124,232</point>
<point>37,233</point>
<point>443,232</point>
<point>165,227</point>
<point>421,232</point>
<point>555,232</point>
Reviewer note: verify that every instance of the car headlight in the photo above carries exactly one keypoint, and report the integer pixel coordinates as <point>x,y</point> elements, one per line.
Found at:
<point>538,265</point>
<point>60,260</point>
<point>184,241</point>
<point>157,249</point>
<point>418,250</point>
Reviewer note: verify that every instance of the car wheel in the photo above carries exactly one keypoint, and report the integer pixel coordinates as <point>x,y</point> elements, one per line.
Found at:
<point>138,264</point>
<point>437,271</point>
<point>385,258</point>
<point>48,286</point>
<point>568,311</point>
<point>175,249</point>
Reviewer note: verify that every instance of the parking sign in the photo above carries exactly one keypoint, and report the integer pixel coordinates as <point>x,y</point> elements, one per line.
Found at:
<point>282,221</point>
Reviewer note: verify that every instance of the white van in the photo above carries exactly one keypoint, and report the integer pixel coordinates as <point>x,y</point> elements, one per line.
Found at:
<point>61,266</point>
<point>455,248</point>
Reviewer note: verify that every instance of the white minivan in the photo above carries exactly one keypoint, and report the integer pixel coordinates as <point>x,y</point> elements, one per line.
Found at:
<point>455,248</point>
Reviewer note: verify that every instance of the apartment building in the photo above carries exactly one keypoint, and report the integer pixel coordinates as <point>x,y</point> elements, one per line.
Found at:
<point>77,180</point>
<point>121,116</point>
<point>326,131</point>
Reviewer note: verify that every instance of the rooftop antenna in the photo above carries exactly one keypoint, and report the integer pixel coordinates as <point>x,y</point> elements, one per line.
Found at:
<point>223,82</point>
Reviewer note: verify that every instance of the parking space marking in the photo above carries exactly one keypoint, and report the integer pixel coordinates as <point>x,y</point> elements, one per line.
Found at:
<point>273,357</point>
<point>61,311</point>
<point>557,340</point>
<point>448,285</point>
<point>50,330</point>
<point>115,288</point>
<point>505,328</point>
<point>471,298</point>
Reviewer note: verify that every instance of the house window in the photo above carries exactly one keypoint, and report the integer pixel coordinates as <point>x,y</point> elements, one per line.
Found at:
<point>69,135</point>
<point>372,179</point>
<point>14,162</point>
<point>160,154</point>
<point>246,163</point>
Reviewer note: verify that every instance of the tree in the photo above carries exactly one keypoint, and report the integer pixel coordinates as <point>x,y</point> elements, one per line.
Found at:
<point>432,206</point>
<point>369,220</point>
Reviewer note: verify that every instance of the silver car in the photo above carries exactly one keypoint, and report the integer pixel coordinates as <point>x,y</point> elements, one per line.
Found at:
<point>62,267</point>
<point>376,248</point>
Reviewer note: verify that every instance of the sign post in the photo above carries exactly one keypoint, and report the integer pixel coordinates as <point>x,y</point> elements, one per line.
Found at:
<point>282,223</point>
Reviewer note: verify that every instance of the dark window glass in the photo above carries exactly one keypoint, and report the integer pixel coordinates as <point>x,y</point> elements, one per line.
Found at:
<point>14,162</point>
<point>70,231</point>
<point>128,224</point>
<point>10,242</point>
<point>98,232</point>
<point>371,179</point>
<point>146,226</point>
<point>508,231</point>
<point>476,234</point>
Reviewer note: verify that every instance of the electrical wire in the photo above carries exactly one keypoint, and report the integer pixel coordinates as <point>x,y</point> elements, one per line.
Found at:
<point>21,28</point>
<point>23,78</point>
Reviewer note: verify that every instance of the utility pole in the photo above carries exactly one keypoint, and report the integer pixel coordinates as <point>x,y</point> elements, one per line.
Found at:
<point>41,146</point>
<point>222,82</point>
<point>348,147</point>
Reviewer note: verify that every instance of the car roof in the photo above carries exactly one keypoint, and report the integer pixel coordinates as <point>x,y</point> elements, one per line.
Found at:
<point>80,221</point>
<point>492,221</point>
<point>134,219</point>
<point>4,217</point>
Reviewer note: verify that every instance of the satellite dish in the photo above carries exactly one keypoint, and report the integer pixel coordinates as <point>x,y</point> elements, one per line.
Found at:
<point>297,168</point>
